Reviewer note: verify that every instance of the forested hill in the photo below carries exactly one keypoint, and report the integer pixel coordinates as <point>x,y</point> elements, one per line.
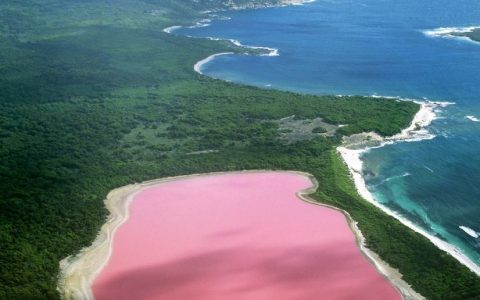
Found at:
<point>94,95</point>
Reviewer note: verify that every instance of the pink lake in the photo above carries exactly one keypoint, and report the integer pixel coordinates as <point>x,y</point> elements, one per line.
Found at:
<point>236,236</point>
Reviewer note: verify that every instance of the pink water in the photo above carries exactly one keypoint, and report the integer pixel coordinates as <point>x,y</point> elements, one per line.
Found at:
<point>236,236</point>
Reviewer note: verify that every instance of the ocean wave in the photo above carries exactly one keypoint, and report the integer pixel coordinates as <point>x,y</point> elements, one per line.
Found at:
<point>271,51</point>
<point>201,23</point>
<point>451,33</point>
<point>429,169</point>
<point>448,31</point>
<point>406,174</point>
<point>472,118</point>
<point>298,2</point>
<point>417,130</point>
<point>470,231</point>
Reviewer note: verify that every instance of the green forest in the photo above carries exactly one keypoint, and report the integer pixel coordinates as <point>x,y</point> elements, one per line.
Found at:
<point>94,96</point>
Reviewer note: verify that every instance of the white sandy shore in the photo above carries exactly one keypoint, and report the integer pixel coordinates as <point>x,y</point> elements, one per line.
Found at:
<point>198,66</point>
<point>78,272</point>
<point>171,28</point>
<point>415,132</point>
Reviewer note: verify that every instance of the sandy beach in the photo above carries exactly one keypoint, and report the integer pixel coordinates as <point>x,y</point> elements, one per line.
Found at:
<point>171,29</point>
<point>198,66</point>
<point>415,132</point>
<point>79,272</point>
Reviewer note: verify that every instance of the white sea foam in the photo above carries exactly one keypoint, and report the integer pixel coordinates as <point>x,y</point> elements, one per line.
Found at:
<point>472,118</point>
<point>297,2</point>
<point>450,32</point>
<point>198,66</point>
<point>429,169</point>
<point>415,132</point>
<point>470,231</point>
<point>387,97</point>
<point>271,51</point>
<point>406,174</point>
<point>201,23</point>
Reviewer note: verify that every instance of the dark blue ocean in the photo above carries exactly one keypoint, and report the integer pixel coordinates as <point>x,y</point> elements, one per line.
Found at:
<point>367,47</point>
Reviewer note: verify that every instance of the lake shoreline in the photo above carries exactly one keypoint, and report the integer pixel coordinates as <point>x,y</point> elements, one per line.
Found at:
<point>77,273</point>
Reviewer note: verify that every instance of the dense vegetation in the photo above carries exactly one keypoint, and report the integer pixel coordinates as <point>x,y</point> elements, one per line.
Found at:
<point>95,96</point>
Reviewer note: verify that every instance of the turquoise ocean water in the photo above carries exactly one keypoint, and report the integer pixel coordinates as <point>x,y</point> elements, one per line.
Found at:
<point>368,47</point>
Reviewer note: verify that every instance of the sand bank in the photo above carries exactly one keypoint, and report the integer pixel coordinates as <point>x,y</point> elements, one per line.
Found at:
<point>79,272</point>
